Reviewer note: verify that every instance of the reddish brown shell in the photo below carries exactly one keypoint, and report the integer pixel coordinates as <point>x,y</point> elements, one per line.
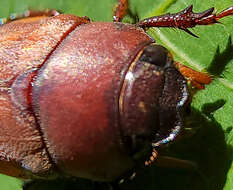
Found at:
<point>76,96</point>
<point>24,45</point>
<point>77,74</point>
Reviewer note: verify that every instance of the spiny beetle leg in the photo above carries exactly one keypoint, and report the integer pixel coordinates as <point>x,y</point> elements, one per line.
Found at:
<point>120,11</point>
<point>213,18</point>
<point>185,19</point>
<point>29,14</point>
<point>197,79</point>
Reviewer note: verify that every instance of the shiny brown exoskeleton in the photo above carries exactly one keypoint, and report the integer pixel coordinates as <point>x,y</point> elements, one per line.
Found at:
<point>90,99</point>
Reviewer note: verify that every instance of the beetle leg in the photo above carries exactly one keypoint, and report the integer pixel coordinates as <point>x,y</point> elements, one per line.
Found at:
<point>171,162</point>
<point>152,158</point>
<point>120,10</point>
<point>185,19</point>
<point>213,18</point>
<point>197,79</point>
<point>29,14</point>
<point>176,163</point>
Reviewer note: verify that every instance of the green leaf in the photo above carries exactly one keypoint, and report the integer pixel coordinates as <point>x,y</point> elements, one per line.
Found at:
<point>211,118</point>
<point>9,183</point>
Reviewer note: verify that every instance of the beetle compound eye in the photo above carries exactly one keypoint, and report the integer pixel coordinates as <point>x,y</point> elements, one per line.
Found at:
<point>156,55</point>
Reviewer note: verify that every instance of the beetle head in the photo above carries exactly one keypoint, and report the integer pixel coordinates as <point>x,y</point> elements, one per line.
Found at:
<point>152,99</point>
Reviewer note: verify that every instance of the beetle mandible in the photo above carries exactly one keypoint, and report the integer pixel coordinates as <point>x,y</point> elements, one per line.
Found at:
<point>90,99</point>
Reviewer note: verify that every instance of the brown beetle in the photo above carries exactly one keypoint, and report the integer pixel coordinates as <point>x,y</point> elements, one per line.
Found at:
<point>90,99</point>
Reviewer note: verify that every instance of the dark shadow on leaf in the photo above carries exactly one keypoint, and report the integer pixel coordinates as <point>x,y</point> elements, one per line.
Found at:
<point>209,108</point>
<point>206,147</point>
<point>221,59</point>
<point>59,184</point>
